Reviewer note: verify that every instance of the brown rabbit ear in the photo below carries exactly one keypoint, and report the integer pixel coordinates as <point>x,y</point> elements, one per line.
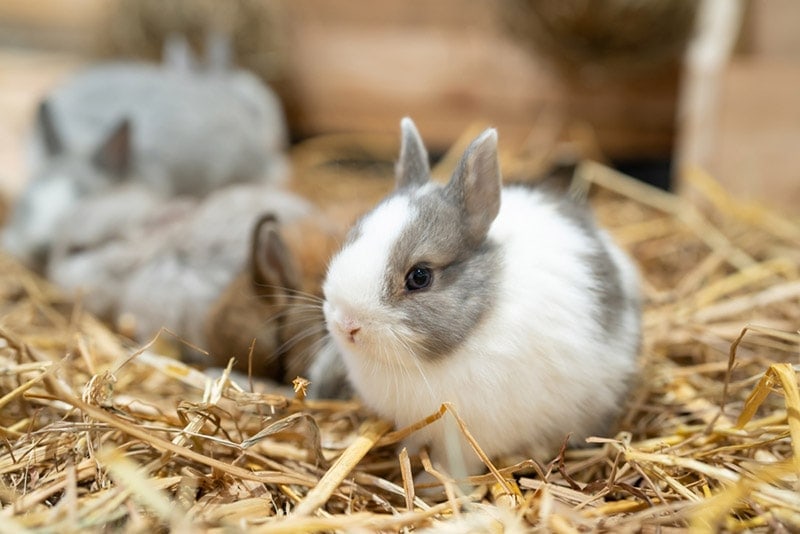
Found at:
<point>114,154</point>
<point>50,137</point>
<point>272,264</point>
<point>412,169</point>
<point>476,185</point>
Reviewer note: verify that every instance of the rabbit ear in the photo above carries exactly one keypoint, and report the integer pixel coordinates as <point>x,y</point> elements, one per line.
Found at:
<point>271,262</point>
<point>218,51</point>
<point>114,155</point>
<point>476,185</point>
<point>177,53</point>
<point>412,169</point>
<point>52,141</point>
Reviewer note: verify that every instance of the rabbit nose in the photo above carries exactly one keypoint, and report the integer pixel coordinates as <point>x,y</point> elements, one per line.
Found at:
<point>350,327</point>
<point>351,332</point>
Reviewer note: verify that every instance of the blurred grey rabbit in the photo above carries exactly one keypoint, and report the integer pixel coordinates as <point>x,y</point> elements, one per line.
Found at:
<point>161,261</point>
<point>178,129</point>
<point>104,238</point>
<point>180,282</point>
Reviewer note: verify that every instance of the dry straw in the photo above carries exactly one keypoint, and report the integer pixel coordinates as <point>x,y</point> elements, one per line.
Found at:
<point>100,435</point>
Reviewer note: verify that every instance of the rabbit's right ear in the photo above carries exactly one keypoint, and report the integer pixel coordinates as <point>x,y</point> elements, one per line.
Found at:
<point>219,51</point>
<point>50,137</point>
<point>272,264</point>
<point>476,185</point>
<point>412,169</point>
<point>114,154</point>
<point>177,53</point>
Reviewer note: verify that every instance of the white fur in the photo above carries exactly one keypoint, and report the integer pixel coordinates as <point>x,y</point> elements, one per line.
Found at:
<point>362,281</point>
<point>535,369</point>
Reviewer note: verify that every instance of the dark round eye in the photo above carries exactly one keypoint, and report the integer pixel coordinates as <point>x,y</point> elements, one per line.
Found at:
<point>418,277</point>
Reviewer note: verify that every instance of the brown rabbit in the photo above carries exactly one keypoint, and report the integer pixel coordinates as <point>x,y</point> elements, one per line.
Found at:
<point>275,303</point>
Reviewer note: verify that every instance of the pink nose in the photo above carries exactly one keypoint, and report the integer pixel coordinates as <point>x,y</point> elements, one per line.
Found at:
<point>350,327</point>
<point>351,332</point>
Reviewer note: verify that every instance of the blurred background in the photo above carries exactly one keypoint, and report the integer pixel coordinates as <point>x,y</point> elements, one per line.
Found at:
<point>615,81</point>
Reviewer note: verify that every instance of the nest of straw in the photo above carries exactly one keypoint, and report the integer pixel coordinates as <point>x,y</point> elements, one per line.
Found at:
<point>99,434</point>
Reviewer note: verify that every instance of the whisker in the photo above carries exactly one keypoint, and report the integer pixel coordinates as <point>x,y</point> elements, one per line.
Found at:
<point>274,318</point>
<point>311,353</point>
<point>293,293</point>
<point>406,343</point>
<point>300,336</point>
<point>316,347</point>
<point>299,315</point>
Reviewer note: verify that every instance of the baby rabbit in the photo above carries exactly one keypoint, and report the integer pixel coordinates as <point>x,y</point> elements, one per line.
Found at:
<point>162,262</point>
<point>506,301</point>
<point>276,300</point>
<point>105,237</point>
<point>179,283</point>
<point>181,131</point>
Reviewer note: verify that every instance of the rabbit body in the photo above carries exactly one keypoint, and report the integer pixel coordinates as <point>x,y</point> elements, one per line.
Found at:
<point>179,131</point>
<point>507,302</point>
<point>275,301</point>
<point>163,262</point>
<point>192,131</point>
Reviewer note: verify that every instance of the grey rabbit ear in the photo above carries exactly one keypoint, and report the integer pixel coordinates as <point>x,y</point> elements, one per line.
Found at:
<point>177,53</point>
<point>412,169</point>
<point>50,137</point>
<point>114,154</point>
<point>476,185</point>
<point>271,262</point>
<point>218,51</point>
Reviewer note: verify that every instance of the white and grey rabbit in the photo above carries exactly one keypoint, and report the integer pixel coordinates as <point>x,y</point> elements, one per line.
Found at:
<point>180,130</point>
<point>506,301</point>
<point>163,262</point>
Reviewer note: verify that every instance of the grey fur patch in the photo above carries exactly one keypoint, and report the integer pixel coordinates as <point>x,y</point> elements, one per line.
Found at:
<point>607,278</point>
<point>412,169</point>
<point>465,276</point>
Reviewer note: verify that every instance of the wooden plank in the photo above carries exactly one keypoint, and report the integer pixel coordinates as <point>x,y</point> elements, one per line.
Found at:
<point>346,76</point>
<point>755,153</point>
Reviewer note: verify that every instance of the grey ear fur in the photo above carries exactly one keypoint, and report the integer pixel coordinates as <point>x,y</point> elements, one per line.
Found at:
<point>50,137</point>
<point>271,262</point>
<point>412,169</point>
<point>476,185</point>
<point>218,51</point>
<point>177,53</point>
<point>114,154</point>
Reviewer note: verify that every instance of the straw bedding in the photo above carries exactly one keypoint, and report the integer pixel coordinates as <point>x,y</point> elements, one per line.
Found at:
<point>102,435</point>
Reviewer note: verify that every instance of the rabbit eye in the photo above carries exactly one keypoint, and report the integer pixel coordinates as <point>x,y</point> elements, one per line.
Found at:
<point>419,277</point>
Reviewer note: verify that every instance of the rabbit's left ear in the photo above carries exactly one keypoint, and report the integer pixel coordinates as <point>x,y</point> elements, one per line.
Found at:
<point>476,184</point>
<point>412,169</point>
<point>47,127</point>
<point>273,269</point>
<point>113,156</point>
